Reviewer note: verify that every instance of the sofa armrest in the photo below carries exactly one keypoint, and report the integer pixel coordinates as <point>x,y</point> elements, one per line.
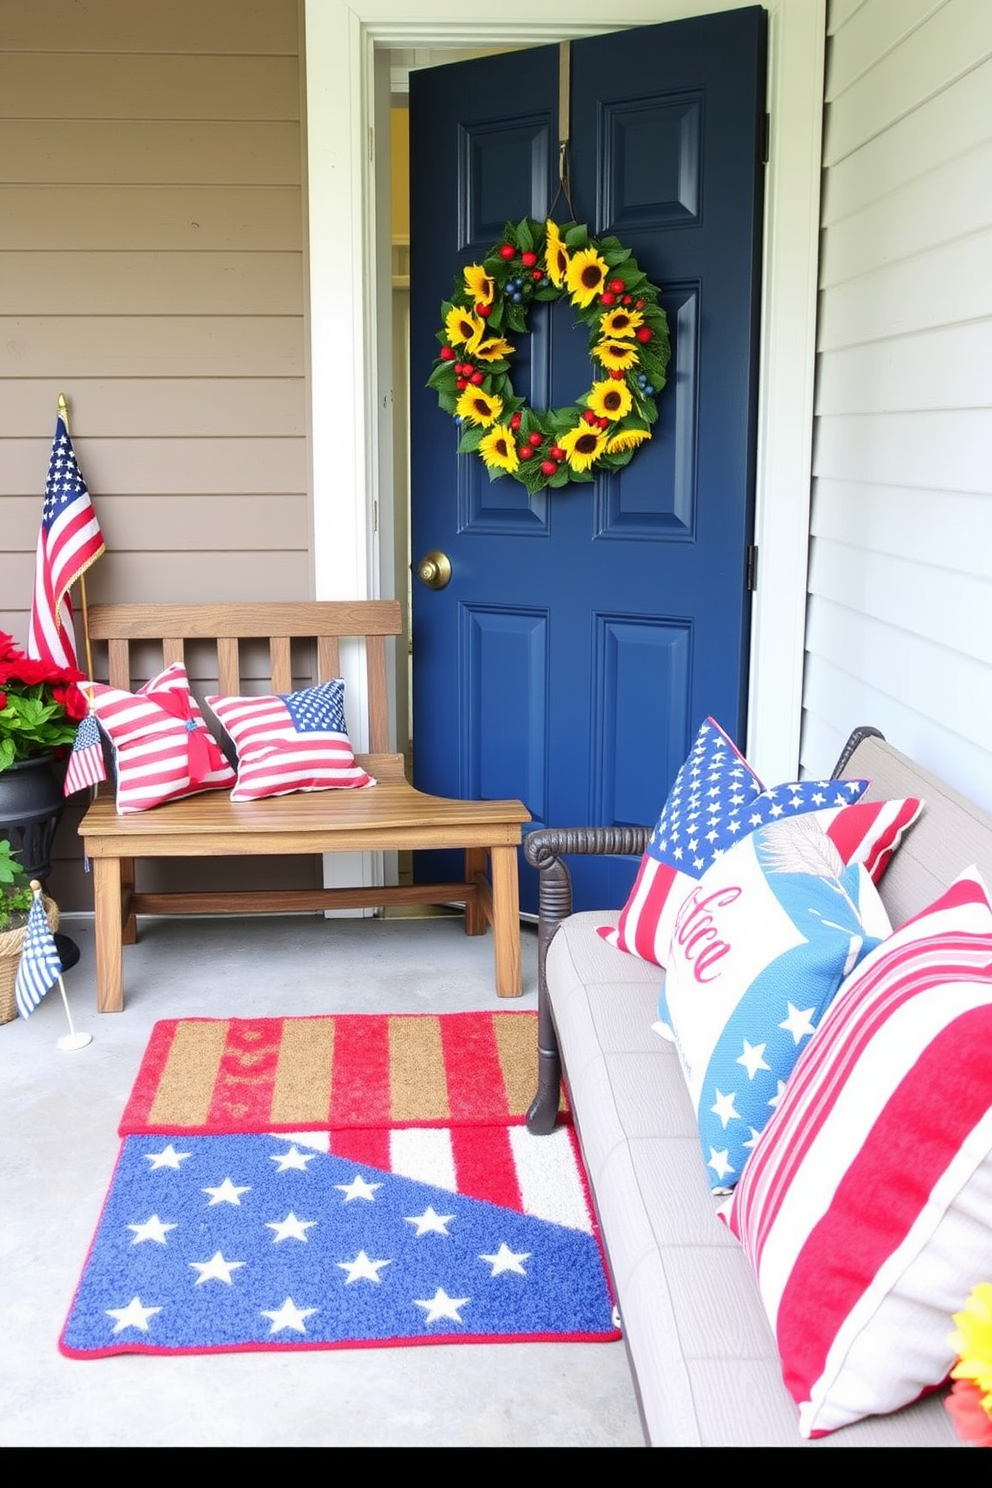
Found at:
<point>545,850</point>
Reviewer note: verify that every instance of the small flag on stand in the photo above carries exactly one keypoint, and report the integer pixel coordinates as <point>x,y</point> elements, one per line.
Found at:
<point>40,965</point>
<point>86,763</point>
<point>70,540</point>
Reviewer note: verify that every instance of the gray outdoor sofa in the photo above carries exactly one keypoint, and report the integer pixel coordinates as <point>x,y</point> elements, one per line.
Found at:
<point>703,1356</point>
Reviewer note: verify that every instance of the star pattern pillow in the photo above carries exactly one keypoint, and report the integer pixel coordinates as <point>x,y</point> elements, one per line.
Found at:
<point>760,947</point>
<point>294,741</point>
<point>717,799</point>
<point>162,746</point>
<point>865,1210</point>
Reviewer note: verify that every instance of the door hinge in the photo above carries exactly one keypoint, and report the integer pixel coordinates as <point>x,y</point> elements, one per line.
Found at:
<point>766,137</point>
<point>751,567</point>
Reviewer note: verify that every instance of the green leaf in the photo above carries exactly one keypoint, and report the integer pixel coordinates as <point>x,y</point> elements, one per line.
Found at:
<point>443,374</point>
<point>615,256</point>
<point>577,236</point>
<point>525,237</point>
<point>470,440</point>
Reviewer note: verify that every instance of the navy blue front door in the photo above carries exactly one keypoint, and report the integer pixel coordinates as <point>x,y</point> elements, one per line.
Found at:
<point>587,631</point>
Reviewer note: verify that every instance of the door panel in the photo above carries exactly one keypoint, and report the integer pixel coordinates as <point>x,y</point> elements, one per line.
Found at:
<point>587,631</point>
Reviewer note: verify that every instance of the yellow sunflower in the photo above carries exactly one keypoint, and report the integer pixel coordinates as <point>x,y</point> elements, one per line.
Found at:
<point>585,276</point>
<point>583,445</point>
<point>464,329</point>
<point>610,399</point>
<point>477,407</point>
<point>480,285</point>
<point>498,449</point>
<point>627,439</point>
<point>617,323</point>
<point>555,256</point>
<point>616,356</point>
<point>493,350</point>
<point>973,1339</point>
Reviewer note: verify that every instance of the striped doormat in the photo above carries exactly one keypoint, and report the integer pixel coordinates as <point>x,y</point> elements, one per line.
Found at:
<point>223,1076</point>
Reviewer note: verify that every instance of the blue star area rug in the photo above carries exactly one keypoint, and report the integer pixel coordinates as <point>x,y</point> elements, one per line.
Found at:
<point>256,1241</point>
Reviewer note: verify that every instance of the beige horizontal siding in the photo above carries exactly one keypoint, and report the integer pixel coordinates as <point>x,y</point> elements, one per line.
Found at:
<point>152,268</point>
<point>900,576</point>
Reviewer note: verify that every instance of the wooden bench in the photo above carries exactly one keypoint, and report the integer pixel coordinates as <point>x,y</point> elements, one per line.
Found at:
<point>390,816</point>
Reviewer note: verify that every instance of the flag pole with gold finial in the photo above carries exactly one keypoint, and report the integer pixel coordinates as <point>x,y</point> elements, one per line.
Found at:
<point>64,416</point>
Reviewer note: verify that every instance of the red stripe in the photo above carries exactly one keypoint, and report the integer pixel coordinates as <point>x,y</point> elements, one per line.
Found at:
<point>472,1069</point>
<point>486,1171</point>
<point>145,1089</point>
<point>360,1073</point>
<point>246,1075</point>
<point>366,1146</point>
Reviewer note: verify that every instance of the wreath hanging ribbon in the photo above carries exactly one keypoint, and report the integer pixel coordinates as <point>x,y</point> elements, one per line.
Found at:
<point>628,340</point>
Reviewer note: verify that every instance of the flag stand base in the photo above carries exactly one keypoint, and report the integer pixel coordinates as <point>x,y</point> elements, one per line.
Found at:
<point>74,1041</point>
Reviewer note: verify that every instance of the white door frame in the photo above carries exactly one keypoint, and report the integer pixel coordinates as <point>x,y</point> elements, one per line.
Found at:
<point>346,302</point>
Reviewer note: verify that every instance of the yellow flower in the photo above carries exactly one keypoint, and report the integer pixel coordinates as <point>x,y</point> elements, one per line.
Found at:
<point>498,449</point>
<point>464,329</point>
<point>493,350</point>
<point>583,445</point>
<point>585,276</point>
<point>627,439</point>
<point>555,256</point>
<point>477,407</point>
<point>610,399</point>
<point>480,285</point>
<point>973,1340</point>
<point>620,323</point>
<point>616,356</point>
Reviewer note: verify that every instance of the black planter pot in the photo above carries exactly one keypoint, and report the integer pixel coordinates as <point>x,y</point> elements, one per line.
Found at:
<point>31,803</point>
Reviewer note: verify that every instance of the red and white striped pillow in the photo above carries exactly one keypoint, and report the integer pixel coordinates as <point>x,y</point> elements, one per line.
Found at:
<point>162,747</point>
<point>294,741</point>
<point>865,1208</point>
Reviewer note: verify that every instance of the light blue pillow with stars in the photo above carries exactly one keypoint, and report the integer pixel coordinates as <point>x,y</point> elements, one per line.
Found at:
<point>759,950</point>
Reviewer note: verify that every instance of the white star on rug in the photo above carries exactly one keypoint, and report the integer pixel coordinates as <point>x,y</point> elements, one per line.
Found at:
<point>506,1260</point>
<point>289,1316</point>
<point>290,1228</point>
<point>362,1269</point>
<point>358,1189</point>
<point>226,1193</point>
<point>430,1223</point>
<point>132,1316</point>
<point>216,1269</point>
<point>151,1229</point>
<point>441,1306</point>
<point>294,1158</point>
<point>167,1158</point>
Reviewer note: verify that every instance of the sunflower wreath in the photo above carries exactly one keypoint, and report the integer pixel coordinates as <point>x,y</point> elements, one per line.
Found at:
<point>628,339</point>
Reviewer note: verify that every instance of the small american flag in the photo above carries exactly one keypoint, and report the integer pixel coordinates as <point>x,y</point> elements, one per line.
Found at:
<point>40,965</point>
<point>86,764</point>
<point>68,543</point>
<point>294,741</point>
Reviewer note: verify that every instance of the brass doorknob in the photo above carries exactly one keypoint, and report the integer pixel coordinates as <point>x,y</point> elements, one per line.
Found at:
<point>434,569</point>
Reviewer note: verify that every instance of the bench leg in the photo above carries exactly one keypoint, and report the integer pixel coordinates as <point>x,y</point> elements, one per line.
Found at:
<point>129,933</point>
<point>506,921</point>
<point>108,925</point>
<point>475,912</point>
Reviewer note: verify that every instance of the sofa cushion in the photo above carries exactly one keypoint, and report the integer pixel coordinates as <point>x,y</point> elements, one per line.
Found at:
<point>866,1207</point>
<point>162,746</point>
<point>716,800</point>
<point>760,947</point>
<point>294,741</point>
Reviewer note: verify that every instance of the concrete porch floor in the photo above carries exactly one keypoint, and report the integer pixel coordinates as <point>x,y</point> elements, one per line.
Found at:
<point>60,1113</point>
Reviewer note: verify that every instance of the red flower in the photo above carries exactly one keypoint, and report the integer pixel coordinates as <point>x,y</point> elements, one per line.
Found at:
<point>972,1421</point>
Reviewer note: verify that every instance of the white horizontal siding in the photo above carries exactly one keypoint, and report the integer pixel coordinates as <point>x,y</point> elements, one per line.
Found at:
<point>899,630</point>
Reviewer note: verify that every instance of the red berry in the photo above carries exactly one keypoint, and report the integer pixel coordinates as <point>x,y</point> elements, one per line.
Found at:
<point>589,416</point>
<point>447,355</point>
<point>627,299</point>
<point>603,423</point>
<point>467,369</point>
<point>528,259</point>
<point>548,467</point>
<point>460,382</point>
<point>617,286</point>
<point>616,374</point>
<point>525,452</point>
<point>640,304</point>
<point>607,298</point>
<point>537,275</point>
<point>535,439</point>
<point>557,453</point>
<point>644,334</point>
<point>507,250</point>
<point>477,379</point>
<point>484,310</point>
<point>515,421</point>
